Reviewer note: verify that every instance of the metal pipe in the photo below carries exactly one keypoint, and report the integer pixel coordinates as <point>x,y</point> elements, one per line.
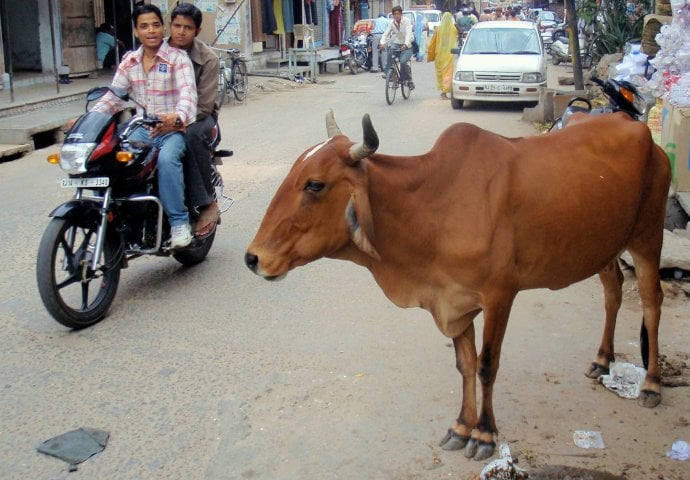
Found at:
<point>100,238</point>
<point>7,47</point>
<point>52,40</point>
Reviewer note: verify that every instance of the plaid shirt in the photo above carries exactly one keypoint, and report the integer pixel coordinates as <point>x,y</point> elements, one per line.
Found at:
<point>169,86</point>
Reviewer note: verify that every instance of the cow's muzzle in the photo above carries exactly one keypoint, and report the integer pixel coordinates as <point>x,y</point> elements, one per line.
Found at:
<point>252,262</point>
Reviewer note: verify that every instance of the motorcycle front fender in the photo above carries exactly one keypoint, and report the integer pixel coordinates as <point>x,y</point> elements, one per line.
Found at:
<point>87,209</point>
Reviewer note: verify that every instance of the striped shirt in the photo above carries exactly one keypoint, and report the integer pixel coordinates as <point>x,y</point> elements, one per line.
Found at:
<point>169,86</point>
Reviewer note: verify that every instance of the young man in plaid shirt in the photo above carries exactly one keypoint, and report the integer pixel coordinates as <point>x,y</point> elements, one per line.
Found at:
<point>161,78</point>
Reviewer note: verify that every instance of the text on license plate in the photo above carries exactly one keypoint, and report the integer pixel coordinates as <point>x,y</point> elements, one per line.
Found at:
<point>498,88</point>
<point>93,182</point>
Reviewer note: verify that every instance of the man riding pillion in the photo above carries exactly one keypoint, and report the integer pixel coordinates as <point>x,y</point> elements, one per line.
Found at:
<point>185,25</point>
<point>398,37</point>
<point>161,78</point>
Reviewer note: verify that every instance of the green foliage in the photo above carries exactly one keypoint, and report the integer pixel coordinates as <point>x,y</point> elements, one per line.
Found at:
<point>611,25</point>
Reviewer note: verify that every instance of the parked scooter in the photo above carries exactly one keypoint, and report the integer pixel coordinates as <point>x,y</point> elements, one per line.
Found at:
<point>560,52</point>
<point>114,217</point>
<point>356,51</point>
<point>621,95</point>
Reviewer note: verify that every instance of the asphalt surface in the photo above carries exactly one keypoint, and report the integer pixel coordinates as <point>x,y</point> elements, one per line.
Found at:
<point>212,373</point>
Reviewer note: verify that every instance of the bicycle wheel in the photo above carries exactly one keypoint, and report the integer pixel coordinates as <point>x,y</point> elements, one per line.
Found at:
<point>239,81</point>
<point>391,85</point>
<point>405,90</point>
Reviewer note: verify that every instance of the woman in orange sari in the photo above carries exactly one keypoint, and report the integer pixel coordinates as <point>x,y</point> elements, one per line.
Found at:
<point>445,37</point>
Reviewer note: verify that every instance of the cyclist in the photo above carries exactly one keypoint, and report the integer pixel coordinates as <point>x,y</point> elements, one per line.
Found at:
<point>399,35</point>
<point>185,25</point>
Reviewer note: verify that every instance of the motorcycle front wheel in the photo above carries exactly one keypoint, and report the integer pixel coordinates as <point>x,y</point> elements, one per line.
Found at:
<point>73,293</point>
<point>196,252</point>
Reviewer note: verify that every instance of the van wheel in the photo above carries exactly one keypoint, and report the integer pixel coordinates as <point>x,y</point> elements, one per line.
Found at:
<point>455,103</point>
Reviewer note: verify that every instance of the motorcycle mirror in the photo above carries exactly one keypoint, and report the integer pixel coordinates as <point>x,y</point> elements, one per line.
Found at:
<point>96,93</point>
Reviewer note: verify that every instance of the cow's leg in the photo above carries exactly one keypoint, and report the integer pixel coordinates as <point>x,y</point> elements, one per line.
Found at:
<point>612,279</point>
<point>466,363</point>
<point>652,296</point>
<point>496,312</point>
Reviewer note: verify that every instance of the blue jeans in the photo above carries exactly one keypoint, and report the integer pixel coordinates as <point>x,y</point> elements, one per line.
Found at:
<point>171,152</point>
<point>405,56</point>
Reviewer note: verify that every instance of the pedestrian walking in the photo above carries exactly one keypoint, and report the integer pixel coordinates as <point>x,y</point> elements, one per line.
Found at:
<point>380,26</point>
<point>420,29</point>
<point>444,38</point>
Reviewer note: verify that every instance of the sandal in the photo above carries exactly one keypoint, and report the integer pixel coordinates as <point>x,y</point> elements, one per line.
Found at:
<point>207,220</point>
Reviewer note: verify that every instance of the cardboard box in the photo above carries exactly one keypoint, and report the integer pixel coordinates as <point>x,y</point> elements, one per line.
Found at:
<point>675,140</point>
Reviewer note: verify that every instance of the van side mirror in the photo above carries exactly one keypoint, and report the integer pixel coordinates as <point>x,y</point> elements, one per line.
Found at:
<point>455,51</point>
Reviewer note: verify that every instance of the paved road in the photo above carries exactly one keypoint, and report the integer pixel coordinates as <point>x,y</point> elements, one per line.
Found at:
<point>212,373</point>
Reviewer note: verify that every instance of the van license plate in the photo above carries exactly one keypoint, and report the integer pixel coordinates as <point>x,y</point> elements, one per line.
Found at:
<point>93,182</point>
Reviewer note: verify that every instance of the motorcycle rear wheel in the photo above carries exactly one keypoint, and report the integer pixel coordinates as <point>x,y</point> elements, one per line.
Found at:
<point>76,296</point>
<point>352,64</point>
<point>196,252</point>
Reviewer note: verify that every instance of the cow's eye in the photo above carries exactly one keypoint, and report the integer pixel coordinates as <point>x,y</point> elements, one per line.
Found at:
<point>313,186</point>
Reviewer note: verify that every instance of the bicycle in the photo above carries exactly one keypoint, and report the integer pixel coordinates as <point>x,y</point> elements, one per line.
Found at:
<point>394,80</point>
<point>232,79</point>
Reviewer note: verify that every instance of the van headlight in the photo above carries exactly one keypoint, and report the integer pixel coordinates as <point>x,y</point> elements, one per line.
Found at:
<point>73,157</point>
<point>463,76</point>
<point>532,77</point>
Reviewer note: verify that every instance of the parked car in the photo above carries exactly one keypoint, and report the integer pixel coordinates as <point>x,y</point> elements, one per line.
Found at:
<point>362,27</point>
<point>499,62</point>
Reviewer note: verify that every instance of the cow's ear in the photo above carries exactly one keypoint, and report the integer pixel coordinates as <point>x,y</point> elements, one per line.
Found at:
<point>360,223</point>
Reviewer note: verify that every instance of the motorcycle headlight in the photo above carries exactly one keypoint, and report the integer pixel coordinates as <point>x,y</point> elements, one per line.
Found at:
<point>532,77</point>
<point>73,157</point>
<point>464,76</point>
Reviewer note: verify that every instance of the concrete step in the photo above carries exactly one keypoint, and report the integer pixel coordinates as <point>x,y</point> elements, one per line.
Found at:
<point>8,150</point>
<point>42,125</point>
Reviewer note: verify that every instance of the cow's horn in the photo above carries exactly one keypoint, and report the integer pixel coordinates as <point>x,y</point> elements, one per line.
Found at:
<point>331,126</point>
<point>359,151</point>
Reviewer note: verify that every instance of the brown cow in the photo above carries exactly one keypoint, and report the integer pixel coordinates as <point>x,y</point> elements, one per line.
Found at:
<point>463,228</point>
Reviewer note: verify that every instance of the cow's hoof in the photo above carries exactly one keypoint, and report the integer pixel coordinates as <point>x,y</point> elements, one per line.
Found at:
<point>596,371</point>
<point>453,441</point>
<point>484,451</point>
<point>648,399</point>
<point>471,448</point>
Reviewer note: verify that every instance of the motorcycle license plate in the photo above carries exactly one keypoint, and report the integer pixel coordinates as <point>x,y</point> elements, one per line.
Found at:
<point>345,53</point>
<point>93,182</point>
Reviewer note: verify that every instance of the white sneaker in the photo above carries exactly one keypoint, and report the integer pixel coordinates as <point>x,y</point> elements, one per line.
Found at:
<point>180,236</point>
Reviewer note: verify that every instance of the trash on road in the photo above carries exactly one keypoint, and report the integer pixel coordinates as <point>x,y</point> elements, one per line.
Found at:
<point>503,468</point>
<point>588,439</point>
<point>680,450</point>
<point>624,379</point>
<point>76,446</point>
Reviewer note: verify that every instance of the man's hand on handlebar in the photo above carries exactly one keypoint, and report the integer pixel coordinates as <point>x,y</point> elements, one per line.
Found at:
<point>170,122</point>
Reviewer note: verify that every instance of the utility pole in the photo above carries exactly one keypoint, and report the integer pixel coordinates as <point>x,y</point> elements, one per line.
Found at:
<point>574,37</point>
